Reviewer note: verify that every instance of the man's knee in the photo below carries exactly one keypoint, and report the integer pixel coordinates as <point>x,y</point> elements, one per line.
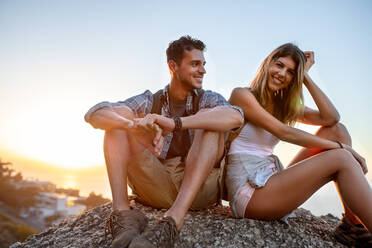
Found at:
<point>208,134</point>
<point>115,134</point>
<point>115,140</point>
<point>210,143</point>
<point>210,138</point>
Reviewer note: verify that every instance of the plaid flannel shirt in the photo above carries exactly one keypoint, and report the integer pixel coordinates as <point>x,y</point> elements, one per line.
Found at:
<point>142,104</point>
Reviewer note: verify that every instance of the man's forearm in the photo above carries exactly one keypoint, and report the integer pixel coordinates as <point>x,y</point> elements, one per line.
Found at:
<point>109,118</point>
<point>215,119</point>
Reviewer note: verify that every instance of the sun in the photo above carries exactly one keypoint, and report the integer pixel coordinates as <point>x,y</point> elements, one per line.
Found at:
<point>71,143</point>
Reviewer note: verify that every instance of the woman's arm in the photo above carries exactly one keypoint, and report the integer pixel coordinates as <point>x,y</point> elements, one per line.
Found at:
<point>326,115</point>
<point>254,113</point>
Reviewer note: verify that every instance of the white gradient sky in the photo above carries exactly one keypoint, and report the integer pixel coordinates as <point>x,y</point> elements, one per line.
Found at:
<point>58,58</point>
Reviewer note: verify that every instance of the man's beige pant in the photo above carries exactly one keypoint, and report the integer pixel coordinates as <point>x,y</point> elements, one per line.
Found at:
<point>157,182</point>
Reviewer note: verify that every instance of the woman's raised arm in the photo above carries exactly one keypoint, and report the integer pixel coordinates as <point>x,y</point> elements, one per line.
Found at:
<point>326,115</point>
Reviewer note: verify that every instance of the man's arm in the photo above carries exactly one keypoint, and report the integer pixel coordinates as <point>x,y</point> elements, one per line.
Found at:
<point>220,118</point>
<point>119,115</point>
<point>106,118</point>
<point>215,114</point>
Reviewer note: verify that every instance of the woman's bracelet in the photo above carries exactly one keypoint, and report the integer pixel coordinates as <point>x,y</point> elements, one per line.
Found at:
<point>340,144</point>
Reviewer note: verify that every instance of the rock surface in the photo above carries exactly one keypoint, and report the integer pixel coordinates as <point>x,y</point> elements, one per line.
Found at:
<point>208,228</point>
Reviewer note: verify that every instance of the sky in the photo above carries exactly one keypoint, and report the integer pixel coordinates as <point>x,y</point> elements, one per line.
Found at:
<point>59,58</point>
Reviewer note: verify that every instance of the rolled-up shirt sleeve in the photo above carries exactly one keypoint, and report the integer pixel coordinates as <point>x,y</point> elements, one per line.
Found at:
<point>212,99</point>
<point>139,104</point>
<point>93,109</point>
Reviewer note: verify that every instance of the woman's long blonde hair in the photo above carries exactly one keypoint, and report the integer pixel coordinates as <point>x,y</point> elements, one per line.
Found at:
<point>288,104</point>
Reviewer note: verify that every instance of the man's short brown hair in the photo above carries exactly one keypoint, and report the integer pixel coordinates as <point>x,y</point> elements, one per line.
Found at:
<point>176,48</point>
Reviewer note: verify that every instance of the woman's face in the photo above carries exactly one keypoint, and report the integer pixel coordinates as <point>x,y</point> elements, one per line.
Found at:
<point>281,73</point>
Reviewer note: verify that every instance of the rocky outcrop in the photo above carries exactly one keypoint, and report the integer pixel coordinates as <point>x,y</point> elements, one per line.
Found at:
<point>208,228</point>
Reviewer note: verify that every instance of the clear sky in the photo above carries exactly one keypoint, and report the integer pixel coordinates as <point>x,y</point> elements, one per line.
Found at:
<point>58,58</point>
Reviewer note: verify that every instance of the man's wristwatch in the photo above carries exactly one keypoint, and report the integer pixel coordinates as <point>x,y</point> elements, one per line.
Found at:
<point>177,124</point>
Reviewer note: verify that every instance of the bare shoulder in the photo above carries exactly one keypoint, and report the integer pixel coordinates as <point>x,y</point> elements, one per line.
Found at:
<point>242,91</point>
<point>241,95</point>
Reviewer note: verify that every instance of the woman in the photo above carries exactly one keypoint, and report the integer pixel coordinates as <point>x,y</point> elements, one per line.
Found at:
<point>258,186</point>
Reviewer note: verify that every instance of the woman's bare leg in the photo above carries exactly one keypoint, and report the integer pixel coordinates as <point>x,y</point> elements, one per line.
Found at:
<point>288,189</point>
<point>336,132</point>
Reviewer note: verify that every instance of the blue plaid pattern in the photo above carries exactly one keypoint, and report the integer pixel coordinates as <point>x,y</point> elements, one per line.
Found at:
<point>142,104</point>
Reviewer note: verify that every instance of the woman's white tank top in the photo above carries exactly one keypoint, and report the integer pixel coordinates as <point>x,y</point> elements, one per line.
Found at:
<point>254,140</point>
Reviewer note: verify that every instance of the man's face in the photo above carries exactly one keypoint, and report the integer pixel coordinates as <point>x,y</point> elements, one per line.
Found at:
<point>191,69</point>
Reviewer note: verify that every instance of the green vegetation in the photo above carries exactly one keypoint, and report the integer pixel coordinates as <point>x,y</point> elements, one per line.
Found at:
<point>94,200</point>
<point>15,194</point>
<point>21,232</point>
<point>50,219</point>
<point>12,232</point>
<point>9,193</point>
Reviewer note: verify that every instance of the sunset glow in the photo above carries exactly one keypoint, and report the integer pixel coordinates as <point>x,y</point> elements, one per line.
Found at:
<point>72,143</point>
<point>59,58</point>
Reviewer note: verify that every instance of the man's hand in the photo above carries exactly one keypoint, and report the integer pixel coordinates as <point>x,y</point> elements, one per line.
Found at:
<point>149,134</point>
<point>155,127</point>
<point>165,123</point>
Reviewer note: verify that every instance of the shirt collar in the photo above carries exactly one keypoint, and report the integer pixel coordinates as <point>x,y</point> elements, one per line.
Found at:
<point>194,92</point>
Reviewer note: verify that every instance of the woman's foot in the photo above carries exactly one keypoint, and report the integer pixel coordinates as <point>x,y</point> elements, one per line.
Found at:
<point>351,234</point>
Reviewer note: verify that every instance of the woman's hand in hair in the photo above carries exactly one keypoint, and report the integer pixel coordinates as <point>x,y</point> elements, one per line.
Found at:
<point>359,158</point>
<point>310,60</point>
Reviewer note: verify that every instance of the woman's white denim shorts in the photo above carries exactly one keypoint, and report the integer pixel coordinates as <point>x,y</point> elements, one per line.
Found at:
<point>245,173</point>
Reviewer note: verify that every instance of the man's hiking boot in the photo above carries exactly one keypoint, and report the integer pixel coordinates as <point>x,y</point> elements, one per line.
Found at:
<point>124,225</point>
<point>353,235</point>
<point>162,235</point>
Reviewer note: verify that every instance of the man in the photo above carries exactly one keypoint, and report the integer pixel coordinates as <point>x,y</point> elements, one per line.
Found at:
<point>168,155</point>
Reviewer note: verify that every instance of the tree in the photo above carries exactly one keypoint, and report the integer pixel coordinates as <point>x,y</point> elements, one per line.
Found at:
<point>5,171</point>
<point>94,200</point>
<point>9,194</point>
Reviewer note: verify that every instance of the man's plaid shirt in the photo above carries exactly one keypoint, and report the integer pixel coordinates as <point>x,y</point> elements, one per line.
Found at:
<point>142,104</point>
